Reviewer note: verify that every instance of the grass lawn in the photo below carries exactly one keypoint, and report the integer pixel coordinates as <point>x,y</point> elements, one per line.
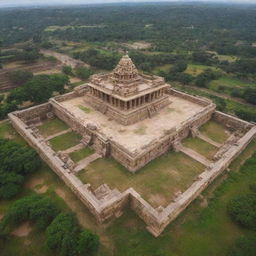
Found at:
<point>65,141</point>
<point>156,182</point>
<point>7,132</point>
<point>200,146</point>
<point>81,154</point>
<point>51,127</point>
<point>214,131</point>
<point>195,69</point>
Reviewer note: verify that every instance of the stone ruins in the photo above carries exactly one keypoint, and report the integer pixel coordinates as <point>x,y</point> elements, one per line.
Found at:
<point>111,113</point>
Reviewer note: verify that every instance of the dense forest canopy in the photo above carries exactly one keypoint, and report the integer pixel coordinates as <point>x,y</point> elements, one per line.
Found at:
<point>224,28</point>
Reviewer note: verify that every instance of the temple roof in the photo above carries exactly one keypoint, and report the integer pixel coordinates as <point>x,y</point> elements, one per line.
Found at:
<point>125,69</point>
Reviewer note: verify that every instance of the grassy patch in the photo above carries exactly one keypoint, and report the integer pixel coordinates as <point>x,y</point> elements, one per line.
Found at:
<point>200,146</point>
<point>81,154</point>
<point>85,109</point>
<point>228,58</point>
<point>65,141</point>
<point>164,68</point>
<point>51,127</point>
<point>7,132</point>
<point>214,131</point>
<point>157,181</point>
<point>230,82</point>
<point>196,232</point>
<point>195,70</point>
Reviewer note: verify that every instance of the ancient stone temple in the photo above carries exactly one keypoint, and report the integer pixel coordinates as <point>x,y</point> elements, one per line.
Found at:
<point>126,95</point>
<point>132,118</point>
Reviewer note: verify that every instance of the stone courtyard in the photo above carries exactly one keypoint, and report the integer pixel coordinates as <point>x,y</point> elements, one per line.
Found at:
<point>129,140</point>
<point>136,136</point>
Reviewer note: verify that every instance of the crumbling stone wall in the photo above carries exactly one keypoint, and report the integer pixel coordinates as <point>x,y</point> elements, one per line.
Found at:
<point>231,122</point>
<point>113,205</point>
<point>35,114</point>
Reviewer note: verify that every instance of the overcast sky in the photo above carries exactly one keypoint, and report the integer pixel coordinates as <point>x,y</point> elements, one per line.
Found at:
<point>6,3</point>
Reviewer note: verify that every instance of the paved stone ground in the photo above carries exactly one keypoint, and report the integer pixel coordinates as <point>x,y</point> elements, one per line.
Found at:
<point>85,162</point>
<point>168,118</point>
<point>193,154</point>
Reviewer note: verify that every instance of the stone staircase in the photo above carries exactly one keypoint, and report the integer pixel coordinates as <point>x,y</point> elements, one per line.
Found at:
<point>151,111</point>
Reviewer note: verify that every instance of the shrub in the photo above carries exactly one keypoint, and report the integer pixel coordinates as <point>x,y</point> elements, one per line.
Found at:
<point>82,72</point>
<point>65,237</point>
<point>242,210</point>
<point>244,246</point>
<point>67,70</point>
<point>62,235</point>
<point>88,243</point>
<point>16,162</point>
<point>36,208</point>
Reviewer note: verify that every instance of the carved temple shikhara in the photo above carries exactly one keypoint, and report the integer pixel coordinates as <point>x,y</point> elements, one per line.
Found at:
<point>126,95</point>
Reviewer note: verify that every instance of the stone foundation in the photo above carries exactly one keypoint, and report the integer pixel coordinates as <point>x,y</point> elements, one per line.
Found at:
<point>105,203</point>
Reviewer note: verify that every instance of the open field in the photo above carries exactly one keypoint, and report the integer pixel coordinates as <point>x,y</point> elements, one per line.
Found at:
<point>230,82</point>
<point>195,69</point>
<point>200,146</point>
<point>215,131</point>
<point>51,127</point>
<point>65,141</point>
<point>157,182</point>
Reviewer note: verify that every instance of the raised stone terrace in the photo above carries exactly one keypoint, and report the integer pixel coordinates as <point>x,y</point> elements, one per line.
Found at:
<point>137,136</point>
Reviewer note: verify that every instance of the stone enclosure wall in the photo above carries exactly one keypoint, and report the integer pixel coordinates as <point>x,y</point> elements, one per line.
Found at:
<point>114,202</point>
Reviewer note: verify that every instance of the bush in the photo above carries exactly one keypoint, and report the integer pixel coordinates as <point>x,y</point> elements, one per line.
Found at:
<point>65,237</point>
<point>247,115</point>
<point>88,243</point>
<point>250,95</point>
<point>62,235</point>
<point>16,162</point>
<point>244,246</point>
<point>83,72</point>
<point>10,184</point>
<point>36,208</point>
<point>67,70</point>
<point>242,210</point>
<point>204,78</point>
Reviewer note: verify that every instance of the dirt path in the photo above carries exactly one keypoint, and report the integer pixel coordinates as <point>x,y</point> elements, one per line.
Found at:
<point>64,59</point>
<point>23,230</point>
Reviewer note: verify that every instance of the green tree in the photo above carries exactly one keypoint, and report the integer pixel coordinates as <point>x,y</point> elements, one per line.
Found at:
<point>242,210</point>
<point>83,72</point>
<point>250,95</point>
<point>67,70</point>
<point>88,243</point>
<point>62,235</point>
<point>244,246</point>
